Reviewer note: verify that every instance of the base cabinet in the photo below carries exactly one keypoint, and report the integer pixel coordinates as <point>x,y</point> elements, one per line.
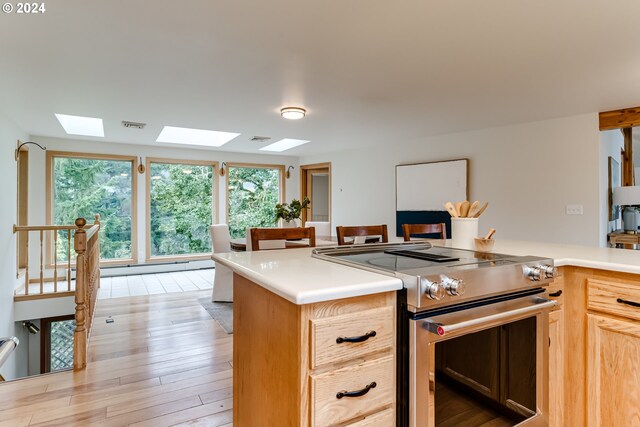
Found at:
<point>324,364</point>
<point>613,378</point>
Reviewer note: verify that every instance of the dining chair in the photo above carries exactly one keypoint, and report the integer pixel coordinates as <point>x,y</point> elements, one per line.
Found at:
<point>409,230</point>
<point>222,276</point>
<point>360,232</point>
<point>267,244</point>
<point>323,228</point>
<point>265,235</point>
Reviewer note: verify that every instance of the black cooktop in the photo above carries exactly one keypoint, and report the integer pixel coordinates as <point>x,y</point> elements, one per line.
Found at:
<point>413,257</point>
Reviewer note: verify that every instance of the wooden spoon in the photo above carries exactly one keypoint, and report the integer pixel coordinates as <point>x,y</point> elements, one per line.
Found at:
<point>464,209</point>
<point>451,209</point>
<point>490,233</point>
<point>473,209</point>
<point>458,205</point>
<point>481,210</point>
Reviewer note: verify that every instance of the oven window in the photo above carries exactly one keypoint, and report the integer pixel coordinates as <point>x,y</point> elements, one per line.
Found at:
<point>487,377</point>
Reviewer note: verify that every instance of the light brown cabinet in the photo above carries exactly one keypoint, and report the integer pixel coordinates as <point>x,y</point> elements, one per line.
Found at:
<point>613,377</point>
<point>613,351</point>
<point>296,365</point>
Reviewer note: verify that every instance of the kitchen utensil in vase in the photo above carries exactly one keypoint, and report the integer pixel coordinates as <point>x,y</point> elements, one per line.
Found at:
<point>464,209</point>
<point>451,209</point>
<point>482,209</point>
<point>473,209</point>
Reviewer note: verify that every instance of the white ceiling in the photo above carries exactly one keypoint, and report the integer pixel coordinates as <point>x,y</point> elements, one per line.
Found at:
<point>367,71</point>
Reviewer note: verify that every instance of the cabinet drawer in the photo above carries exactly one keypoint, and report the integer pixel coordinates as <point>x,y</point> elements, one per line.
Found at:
<point>325,332</point>
<point>328,409</point>
<point>610,297</point>
<point>386,418</point>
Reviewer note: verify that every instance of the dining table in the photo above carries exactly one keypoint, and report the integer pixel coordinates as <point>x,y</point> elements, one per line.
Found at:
<point>240,244</point>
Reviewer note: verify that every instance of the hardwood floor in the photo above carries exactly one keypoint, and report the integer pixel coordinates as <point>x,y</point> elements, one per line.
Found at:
<point>164,361</point>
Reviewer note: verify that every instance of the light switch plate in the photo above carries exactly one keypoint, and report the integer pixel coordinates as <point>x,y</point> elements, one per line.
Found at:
<point>574,210</point>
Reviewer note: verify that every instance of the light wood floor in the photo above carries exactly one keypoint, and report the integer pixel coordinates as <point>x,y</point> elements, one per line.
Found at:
<point>164,361</point>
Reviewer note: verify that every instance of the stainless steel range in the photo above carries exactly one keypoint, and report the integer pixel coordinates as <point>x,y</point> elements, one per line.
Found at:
<point>472,332</point>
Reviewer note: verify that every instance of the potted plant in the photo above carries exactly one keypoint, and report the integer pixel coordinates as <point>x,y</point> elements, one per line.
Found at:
<point>288,213</point>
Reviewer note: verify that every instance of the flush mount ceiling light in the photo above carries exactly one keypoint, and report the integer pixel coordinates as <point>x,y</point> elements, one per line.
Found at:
<point>284,144</point>
<point>207,138</point>
<point>77,125</point>
<point>293,113</point>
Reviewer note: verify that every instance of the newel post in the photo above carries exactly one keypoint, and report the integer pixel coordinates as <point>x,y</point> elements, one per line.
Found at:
<point>80,333</point>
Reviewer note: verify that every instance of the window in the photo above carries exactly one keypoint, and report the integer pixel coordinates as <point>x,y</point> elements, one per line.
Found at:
<point>180,207</point>
<point>252,194</point>
<point>83,185</point>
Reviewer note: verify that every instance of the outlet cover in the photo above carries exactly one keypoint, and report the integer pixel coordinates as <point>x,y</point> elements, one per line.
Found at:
<point>574,210</point>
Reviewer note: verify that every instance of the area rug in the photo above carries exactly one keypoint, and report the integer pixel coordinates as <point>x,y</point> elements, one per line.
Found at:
<point>221,312</point>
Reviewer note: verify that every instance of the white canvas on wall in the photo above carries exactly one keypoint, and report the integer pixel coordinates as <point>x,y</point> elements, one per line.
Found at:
<point>428,186</point>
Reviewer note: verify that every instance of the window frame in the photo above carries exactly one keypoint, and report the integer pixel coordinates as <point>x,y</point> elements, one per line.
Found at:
<point>22,208</point>
<point>45,342</point>
<point>214,200</point>
<point>281,169</point>
<point>50,157</point>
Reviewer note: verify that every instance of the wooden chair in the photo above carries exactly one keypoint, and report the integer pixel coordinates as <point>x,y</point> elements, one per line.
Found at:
<point>409,230</point>
<point>262,234</point>
<point>361,231</point>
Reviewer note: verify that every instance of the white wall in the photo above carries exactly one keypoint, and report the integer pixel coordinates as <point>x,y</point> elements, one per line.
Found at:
<point>528,173</point>
<point>37,188</point>
<point>16,366</point>
<point>611,144</point>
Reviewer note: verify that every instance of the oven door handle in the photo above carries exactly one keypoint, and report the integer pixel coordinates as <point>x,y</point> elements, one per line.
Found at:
<point>489,314</point>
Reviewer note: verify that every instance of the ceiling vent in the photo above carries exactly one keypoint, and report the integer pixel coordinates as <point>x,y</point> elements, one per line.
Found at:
<point>260,138</point>
<point>133,125</point>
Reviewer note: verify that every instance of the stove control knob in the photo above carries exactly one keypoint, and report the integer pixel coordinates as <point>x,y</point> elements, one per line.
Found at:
<point>431,289</point>
<point>453,286</point>
<point>549,271</point>
<point>533,273</point>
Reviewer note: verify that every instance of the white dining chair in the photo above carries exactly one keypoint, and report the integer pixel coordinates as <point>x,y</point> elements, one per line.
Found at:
<point>267,244</point>
<point>223,276</point>
<point>323,228</point>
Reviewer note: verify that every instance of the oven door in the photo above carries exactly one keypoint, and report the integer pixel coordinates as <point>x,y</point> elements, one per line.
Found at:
<point>485,365</point>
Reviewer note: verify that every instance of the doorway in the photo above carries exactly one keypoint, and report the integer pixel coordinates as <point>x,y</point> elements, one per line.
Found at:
<point>315,183</point>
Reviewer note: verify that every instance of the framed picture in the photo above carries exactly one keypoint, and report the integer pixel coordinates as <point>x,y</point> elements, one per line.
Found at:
<point>614,182</point>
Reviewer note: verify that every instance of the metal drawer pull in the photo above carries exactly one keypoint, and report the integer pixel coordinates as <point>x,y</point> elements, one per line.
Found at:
<point>556,294</point>
<point>358,393</point>
<point>361,338</point>
<point>624,301</point>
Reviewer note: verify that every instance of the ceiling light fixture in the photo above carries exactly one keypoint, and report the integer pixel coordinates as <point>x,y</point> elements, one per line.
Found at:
<point>293,113</point>
<point>78,125</point>
<point>284,144</point>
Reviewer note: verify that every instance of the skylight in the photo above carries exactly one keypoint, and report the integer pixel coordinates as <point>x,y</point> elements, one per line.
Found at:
<point>208,138</point>
<point>284,144</point>
<point>78,125</point>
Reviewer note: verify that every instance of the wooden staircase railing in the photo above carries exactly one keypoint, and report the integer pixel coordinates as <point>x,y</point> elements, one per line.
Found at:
<point>86,245</point>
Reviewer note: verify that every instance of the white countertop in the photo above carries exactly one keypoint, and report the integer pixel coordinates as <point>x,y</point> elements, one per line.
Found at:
<point>296,276</point>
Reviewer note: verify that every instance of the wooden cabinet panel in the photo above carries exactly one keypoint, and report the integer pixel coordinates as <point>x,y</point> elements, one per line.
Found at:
<point>384,418</point>
<point>328,409</point>
<point>603,296</point>
<point>613,361</point>
<point>324,333</point>
<point>556,369</point>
